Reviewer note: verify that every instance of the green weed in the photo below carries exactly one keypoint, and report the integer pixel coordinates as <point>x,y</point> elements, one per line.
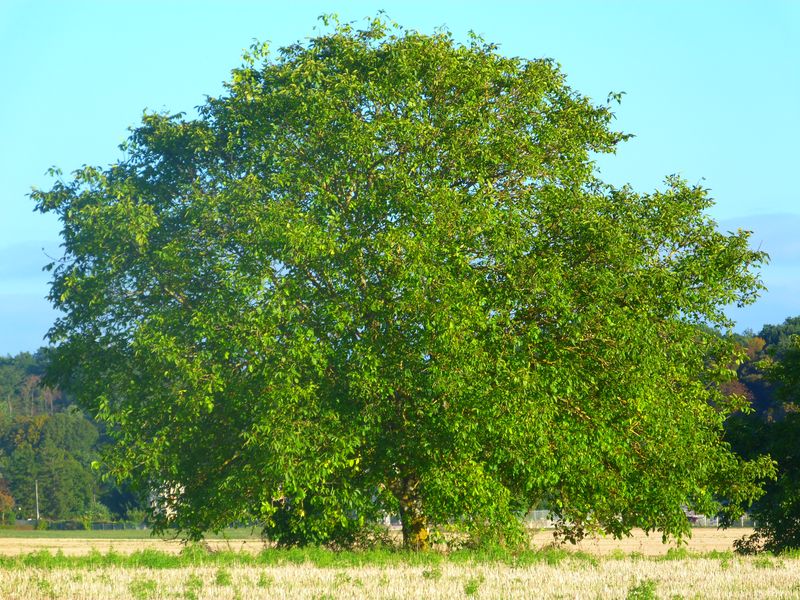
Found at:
<point>341,579</point>
<point>265,580</point>
<point>193,583</point>
<point>762,562</point>
<point>223,578</point>
<point>472,585</point>
<point>44,587</point>
<point>644,590</point>
<point>142,589</point>
<point>677,554</point>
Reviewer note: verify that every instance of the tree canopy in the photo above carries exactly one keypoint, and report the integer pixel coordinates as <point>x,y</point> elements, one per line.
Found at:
<point>381,274</point>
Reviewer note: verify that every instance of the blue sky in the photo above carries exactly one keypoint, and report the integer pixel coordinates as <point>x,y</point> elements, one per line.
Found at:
<point>712,93</point>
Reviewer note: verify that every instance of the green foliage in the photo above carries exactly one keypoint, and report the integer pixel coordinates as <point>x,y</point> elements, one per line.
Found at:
<point>780,336</point>
<point>304,522</point>
<point>7,503</point>
<point>142,589</point>
<point>44,587</point>
<point>20,391</point>
<point>764,562</point>
<point>472,585</point>
<point>71,432</point>
<point>223,577</point>
<point>784,371</point>
<point>777,516</point>
<point>136,516</point>
<point>54,451</point>
<point>380,274</point>
<point>121,499</point>
<point>777,513</point>
<point>265,580</point>
<point>644,590</point>
<point>44,438</point>
<point>430,563</point>
<point>192,586</point>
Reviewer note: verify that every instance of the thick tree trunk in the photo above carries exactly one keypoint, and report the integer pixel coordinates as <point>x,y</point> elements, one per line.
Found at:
<point>412,517</point>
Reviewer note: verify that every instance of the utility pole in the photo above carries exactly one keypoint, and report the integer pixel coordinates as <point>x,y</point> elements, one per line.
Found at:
<point>36,487</point>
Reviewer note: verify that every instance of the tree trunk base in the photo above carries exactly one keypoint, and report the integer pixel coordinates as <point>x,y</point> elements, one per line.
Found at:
<point>415,526</point>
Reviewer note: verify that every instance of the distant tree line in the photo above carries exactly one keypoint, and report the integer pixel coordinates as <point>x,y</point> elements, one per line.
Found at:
<point>47,446</point>
<point>769,377</point>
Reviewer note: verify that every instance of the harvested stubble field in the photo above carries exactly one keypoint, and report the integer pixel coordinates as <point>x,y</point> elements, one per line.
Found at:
<point>702,540</point>
<point>135,569</point>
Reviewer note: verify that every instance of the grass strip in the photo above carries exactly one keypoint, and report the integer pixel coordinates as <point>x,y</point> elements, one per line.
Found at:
<point>195,555</point>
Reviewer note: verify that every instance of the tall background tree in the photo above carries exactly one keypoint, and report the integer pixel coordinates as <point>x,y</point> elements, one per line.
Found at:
<point>7,503</point>
<point>381,274</point>
<point>20,389</point>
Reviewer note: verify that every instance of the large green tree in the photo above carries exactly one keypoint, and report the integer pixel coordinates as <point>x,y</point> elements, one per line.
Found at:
<point>380,273</point>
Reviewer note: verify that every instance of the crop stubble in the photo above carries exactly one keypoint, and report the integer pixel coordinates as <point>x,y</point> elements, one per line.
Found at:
<point>605,576</point>
<point>611,578</point>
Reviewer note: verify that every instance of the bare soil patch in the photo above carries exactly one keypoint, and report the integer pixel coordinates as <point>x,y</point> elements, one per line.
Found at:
<point>77,547</point>
<point>704,539</point>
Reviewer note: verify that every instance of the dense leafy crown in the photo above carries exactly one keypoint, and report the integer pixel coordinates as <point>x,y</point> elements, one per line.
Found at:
<point>380,273</point>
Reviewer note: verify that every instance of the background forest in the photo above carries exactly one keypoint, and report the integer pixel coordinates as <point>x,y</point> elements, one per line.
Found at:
<point>47,441</point>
